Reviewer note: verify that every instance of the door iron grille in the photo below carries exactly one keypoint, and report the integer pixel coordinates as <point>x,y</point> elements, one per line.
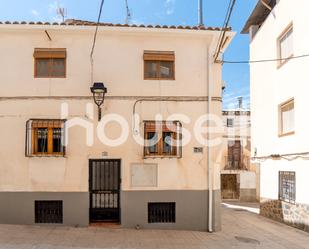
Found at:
<point>161,212</point>
<point>104,188</point>
<point>48,212</point>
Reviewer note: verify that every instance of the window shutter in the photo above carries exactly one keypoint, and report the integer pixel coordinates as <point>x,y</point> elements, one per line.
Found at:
<point>59,53</point>
<point>159,56</point>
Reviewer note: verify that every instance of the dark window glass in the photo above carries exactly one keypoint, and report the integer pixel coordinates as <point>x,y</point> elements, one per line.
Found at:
<point>50,67</point>
<point>58,68</point>
<point>42,136</point>
<point>151,69</point>
<point>57,140</point>
<point>167,142</point>
<point>42,67</point>
<point>166,69</point>
<point>230,122</point>
<point>153,145</point>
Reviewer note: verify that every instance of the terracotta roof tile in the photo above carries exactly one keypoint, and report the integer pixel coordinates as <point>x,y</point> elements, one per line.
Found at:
<point>74,22</point>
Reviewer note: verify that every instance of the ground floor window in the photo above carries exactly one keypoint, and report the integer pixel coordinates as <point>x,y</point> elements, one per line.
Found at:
<point>48,212</point>
<point>287,190</point>
<point>45,137</point>
<point>161,212</point>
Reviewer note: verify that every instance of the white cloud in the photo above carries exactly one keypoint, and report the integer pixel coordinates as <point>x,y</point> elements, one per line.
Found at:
<point>52,7</point>
<point>35,12</point>
<point>170,7</point>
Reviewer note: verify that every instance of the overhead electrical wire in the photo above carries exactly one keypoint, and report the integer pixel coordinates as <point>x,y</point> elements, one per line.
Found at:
<point>265,60</point>
<point>224,28</point>
<point>95,38</point>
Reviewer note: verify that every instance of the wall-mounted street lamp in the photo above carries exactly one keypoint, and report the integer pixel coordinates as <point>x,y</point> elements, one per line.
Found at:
<point>98,91</point>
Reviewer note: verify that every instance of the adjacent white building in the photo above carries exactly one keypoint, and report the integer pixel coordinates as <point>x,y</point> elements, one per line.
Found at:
<point>279,104</point>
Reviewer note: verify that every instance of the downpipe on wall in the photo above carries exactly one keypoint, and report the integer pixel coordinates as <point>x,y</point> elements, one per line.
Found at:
<point>209,166</point>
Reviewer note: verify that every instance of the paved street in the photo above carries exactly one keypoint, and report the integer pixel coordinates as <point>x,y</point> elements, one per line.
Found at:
<point>241,229</point>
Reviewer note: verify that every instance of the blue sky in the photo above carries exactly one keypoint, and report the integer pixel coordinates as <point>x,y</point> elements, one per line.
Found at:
<point>178,12</point>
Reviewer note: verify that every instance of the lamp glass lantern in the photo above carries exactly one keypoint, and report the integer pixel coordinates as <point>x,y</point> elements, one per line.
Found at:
<point>98,91</point>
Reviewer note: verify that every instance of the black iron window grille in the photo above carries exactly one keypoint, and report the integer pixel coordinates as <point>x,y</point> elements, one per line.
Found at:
<point>45,137</point>
<point>287,186</point>
<point>48,212</point>
<point>161,212</point>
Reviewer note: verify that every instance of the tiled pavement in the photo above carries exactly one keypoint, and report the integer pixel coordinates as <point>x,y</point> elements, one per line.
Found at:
<point>241,229</point>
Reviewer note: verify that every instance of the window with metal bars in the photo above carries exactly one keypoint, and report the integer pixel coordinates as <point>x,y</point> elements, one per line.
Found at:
<point>48,212</point>
<point>45,137</point>
<point>287,186</point>
<point>162,138</point>
<point>161,212</point>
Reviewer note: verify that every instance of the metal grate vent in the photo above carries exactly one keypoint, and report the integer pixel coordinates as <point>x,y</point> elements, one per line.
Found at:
<point>48,212</point>
<point>161,212</point>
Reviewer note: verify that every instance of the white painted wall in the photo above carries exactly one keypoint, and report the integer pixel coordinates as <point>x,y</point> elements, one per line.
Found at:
<point>270,86</point>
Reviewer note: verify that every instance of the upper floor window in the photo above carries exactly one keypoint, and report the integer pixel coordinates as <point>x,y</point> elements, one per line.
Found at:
<point>286,118</point>
<point>230,122</point>
<point>159,65</point>
<point>162,138</point>
<point>45,137</point>
<point>49,63</point>
<point>287,190</point>
<point>285,45</point>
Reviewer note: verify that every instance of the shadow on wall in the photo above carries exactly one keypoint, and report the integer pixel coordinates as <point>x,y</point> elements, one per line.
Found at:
<point>295,215</point>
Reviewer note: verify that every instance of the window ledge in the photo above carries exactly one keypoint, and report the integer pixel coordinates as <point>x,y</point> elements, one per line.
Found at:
<point>40,156</point>
<point>281,63</point>
<point>161,157</point>
<point>287,134</point>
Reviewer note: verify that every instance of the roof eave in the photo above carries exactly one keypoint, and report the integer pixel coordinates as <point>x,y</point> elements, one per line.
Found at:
<point>257,17</point>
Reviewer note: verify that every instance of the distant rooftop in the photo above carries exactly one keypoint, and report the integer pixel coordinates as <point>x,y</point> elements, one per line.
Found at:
<point>75,22</point>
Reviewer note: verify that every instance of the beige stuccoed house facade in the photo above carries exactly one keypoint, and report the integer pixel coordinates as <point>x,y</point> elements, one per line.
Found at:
<point>278,103</point>
<point>45,88</point>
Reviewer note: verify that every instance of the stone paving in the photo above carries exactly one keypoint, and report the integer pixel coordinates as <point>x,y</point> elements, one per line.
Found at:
<point>241,229</point>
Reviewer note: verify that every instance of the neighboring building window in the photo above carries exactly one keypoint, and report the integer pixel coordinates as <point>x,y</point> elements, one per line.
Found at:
<point>49,63</point>
<point>45,138</point>
<point>285,45</point>
<point>162,138</point>
<point>159,65</point>
<point>286,118</point>
<point>287,190</point>
<point>230,122</point>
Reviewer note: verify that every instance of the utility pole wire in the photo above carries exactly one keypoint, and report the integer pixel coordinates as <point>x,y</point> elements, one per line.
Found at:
<point>95,38</point>
<point>223,25</point>
<point>266,60</point>
<point>224,28</point>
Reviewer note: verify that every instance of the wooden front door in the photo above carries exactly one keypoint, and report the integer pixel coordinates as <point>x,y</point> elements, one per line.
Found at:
<point>230,186</point>
<point>104,190</point>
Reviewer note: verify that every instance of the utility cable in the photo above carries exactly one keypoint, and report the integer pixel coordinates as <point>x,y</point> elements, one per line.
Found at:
<point>224,28</point>
<point>95,38</point>
<point>265,60</point>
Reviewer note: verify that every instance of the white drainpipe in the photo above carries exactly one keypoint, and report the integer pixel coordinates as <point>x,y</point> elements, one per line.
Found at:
<point>209,166</point>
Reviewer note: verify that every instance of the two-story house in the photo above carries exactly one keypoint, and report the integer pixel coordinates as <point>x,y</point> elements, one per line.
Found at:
<point>279,103</point>
<point>59,164</point>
